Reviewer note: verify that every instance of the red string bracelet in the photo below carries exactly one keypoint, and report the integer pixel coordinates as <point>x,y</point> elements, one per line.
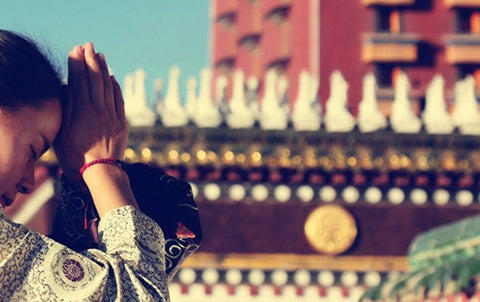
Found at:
<point>108,160</point>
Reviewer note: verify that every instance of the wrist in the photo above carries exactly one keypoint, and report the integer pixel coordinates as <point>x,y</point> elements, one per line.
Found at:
<point>98,172</point>
<point>106,160</point>
<point>109,186</point>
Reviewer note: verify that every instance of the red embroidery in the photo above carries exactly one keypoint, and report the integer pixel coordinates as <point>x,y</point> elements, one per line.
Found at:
<point>73,270</point>
<point>183,232</point>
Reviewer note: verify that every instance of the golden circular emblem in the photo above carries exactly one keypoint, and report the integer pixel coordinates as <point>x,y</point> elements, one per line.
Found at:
<point>330,229</point>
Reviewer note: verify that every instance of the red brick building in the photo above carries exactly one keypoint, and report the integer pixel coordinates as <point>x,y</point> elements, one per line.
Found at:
<point>256,35</point>
<point>421,37</point>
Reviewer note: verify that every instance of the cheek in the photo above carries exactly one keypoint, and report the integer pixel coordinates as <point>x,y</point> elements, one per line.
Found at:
<point>11,167</point>
<point>13,159</point>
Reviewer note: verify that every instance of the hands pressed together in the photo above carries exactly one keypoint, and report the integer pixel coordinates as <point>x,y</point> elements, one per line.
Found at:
<point>94,126</point>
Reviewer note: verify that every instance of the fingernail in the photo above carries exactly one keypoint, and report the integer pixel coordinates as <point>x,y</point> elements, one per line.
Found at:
<point>101,56</point>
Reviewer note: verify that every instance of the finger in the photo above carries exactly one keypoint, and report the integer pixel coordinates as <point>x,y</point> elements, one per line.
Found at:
<point>107,84</point>
<point>95,79</point>
<point>119,102</point>
<point>77,76</point>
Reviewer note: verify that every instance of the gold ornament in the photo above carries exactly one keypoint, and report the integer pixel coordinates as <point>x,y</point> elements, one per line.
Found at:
<point>173,156</point>
<point>228,157</point>
<point>330,229</point>
<point>130,155</point>
<point>449,160</point>
<point>146,154</point>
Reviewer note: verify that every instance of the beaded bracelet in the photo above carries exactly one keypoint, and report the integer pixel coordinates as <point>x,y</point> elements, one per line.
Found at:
<point>108,160</point>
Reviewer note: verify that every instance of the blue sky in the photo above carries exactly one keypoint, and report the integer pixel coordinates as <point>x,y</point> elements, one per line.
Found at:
<point>150,34</point>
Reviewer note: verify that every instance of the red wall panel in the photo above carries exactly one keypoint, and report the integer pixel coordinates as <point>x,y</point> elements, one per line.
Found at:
<point>342,23</point>
<point>440,23</point>
<point>224,43</point>
<point>249,18</point>
<point>222,7</point>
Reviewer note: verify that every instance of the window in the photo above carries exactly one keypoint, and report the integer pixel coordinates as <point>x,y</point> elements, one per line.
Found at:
<point>279,14</point>
<point>467,21</point>
<point>280,66</point>
<point>386,74</point>
<point>227,20</point>
<point>250,42</point>
<point>388,20</point>
<point>475,23</point>
<point>225,66</point>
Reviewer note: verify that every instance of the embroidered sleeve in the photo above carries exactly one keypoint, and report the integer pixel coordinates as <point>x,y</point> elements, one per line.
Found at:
<point>129,264</point>
<point>165,199</point>
<point>135,239</point>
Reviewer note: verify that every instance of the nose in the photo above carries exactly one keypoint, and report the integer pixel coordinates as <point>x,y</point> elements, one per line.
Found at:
<point>27,183</point>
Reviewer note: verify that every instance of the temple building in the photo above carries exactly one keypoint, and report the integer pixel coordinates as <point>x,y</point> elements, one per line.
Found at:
<point>291,213</point>
<point>421,38</point>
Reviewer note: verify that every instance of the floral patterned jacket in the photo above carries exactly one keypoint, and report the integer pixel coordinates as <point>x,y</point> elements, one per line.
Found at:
<point>128,265</point>
<point>135,254</point>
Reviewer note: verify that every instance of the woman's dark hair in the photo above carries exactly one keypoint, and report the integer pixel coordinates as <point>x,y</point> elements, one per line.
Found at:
<point>26,74</point>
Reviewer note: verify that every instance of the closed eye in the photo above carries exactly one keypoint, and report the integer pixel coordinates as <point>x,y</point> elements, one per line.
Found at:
<point>34,154</point>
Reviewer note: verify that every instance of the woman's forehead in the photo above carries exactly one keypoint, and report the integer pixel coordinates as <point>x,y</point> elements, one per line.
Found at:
<point>45,117</point>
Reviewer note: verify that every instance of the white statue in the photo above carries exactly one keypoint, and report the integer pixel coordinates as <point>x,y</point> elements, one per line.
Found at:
<point>370,118</point>
<point>129,94</point>
<point>435,116</point>
<point>140,91</point>
<point>272,115</point>
<point>306,110</point>
<point>207,114</point>
<point>191,103</point>
<point>136,107</point>
<point>239,114</point>
<point>338,118</point>
<point>403,119</point>
<point>466,115</point>
<point>252,97</point>
<point>173,114</point>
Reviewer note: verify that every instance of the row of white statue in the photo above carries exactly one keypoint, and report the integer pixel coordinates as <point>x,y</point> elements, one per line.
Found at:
<point>272,112</point>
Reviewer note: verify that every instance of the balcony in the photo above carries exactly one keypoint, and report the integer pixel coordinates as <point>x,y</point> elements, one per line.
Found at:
<point>249,19</point>
<point>225,45</point>
<point>388,47</point>
<point>268,7</point>
<point>463,49</point>
<point>463,3</point>
<point>224,7</point>
<point>388,2</point>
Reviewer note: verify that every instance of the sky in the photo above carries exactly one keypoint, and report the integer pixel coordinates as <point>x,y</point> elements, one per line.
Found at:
<point>149,34</point>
